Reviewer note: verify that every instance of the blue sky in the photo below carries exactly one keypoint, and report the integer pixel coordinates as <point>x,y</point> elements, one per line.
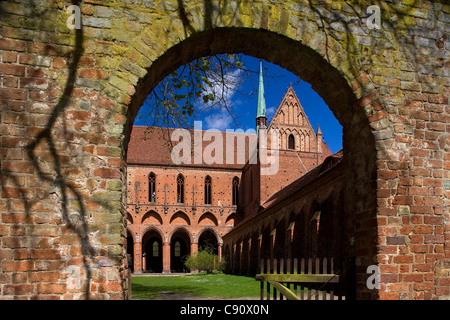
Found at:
<point>276,82</point>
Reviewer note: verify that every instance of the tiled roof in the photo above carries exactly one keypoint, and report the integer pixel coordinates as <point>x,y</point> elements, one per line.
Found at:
<point>153,146</point>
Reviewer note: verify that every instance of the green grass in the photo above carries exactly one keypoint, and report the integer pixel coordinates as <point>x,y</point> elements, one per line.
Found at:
<point>222,286</point>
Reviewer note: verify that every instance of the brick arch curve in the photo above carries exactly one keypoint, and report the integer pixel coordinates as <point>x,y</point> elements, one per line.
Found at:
<point>152,228</point>
<point>184,230</point>
<point>132,233</point>
<point>180,217</point>
<point>208,228</point>
<point>129,217</point>
<point>324,71</point>
<point>336,92</point>
<point>232,216</point>
<point>208,219</point>
<point>152,215</point>
<point>111,68</point>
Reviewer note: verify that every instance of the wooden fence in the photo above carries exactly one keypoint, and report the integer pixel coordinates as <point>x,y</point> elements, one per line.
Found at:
<point>300,279</point>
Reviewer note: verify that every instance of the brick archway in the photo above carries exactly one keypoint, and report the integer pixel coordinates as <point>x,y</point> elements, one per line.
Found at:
<point>207,237</point>
<point>349,106</point>
<point>152,250</point>
<point>70,98</point>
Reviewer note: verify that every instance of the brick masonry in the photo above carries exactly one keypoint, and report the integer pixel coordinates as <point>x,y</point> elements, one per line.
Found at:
<point>68,99</point>
<point>159,213</point>
<point>304,219</point>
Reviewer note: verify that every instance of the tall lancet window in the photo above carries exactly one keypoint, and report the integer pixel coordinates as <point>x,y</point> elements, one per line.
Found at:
<point>177,250</point>
<point>291,142</point>
<point>208,183</point>
<point>151,187</point>
<point>235,191</point>
<point>180,188</point>
<point>155,249</point>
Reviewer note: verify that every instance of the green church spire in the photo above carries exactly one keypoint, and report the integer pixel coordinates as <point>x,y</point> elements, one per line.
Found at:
<point>261,109</point>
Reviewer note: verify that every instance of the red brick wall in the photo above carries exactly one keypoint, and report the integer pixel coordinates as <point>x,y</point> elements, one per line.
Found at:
<point>288,228</point>
<point>193,178</point>
<point>64,130</point>
<point>166,215</point>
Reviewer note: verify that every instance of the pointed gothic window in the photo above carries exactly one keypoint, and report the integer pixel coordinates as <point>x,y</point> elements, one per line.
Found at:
<point>291,142</point>
<point>208,190</point>
<point>235,191</point>
<point>177,249</point>
<point>151,187</point>
<point>155,249</point>
<point>307,142</point>
<point>180,188</point>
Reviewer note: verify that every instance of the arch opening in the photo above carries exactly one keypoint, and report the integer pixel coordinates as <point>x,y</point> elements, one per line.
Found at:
<point>208,241</point>
<point>328,82</point>
<point>180,248</point>
<point>152,257</point>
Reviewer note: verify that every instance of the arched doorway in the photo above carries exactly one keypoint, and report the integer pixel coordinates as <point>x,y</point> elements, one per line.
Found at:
<point>208,241</point>
<point>330,84</point>
<point>152,254</point>
<point>316,39</point>
<point>180,248</point>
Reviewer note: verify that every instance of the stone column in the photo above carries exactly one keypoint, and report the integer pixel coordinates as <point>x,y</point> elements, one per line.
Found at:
<point>166,257</point>
<point>194,250</point>
<point>137,259</point>
<point>259,252</point>
<point>219,251</point>
<point>289,239</point>
<point>272,243</point>
<point>233,259</point>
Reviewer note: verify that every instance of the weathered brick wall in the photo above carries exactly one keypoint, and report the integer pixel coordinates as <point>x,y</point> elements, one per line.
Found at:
<point>68,98</point>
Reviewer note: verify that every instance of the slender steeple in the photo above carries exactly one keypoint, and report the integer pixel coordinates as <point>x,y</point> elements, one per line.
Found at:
<point>319,139</point>
<point>261,118</point>
<point>318,130</point>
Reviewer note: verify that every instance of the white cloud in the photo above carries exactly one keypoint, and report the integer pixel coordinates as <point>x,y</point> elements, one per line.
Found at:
<point>220,121</point>
<point>270,111</point>
<point>232,80</point>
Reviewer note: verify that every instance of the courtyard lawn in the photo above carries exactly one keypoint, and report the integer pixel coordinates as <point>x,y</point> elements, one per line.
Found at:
<point>222,286</point>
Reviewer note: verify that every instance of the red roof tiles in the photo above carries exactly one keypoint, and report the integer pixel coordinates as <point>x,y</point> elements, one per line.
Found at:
<point>153,146</point>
